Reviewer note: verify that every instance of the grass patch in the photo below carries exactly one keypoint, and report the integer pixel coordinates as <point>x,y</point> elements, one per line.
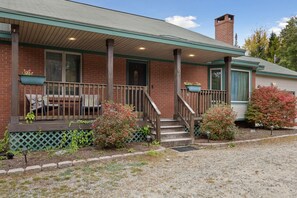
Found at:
<point>26,182</point>
<point>135,170</point>
<point>231,145</point>
<point>114,167</point>
<point>137,164</point>
<point>36,179</point>
<point>153,153</point>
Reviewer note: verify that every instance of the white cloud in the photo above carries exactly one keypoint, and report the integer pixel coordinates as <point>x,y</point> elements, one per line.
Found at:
<point>185,22</point>
<point>281,24</point>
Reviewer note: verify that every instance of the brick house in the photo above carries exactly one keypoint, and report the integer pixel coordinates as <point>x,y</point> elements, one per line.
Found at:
<point>90,54</point>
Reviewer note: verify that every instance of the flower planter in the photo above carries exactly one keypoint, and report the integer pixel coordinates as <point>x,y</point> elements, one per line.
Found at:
<point>193,88</point>
<point>32,80</point>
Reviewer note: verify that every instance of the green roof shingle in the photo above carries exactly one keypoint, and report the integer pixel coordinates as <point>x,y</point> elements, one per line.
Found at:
<point>269,68</point>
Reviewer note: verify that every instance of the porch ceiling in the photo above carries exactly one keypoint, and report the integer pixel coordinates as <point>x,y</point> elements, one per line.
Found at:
<point>53,36</point>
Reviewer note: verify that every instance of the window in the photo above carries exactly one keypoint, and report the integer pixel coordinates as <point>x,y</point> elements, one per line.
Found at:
<point>216,79</point>
<point>240,87</point>
<point>63,67</point>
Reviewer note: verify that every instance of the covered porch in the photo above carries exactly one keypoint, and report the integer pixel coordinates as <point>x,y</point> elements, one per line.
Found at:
<point>154,86</point>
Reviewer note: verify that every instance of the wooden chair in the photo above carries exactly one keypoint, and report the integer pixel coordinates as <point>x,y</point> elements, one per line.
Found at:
<point>90,102</point>
<point>39,102</point>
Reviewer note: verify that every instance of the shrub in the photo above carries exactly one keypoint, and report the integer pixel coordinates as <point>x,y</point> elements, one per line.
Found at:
<point>270,106</point>
<point>114,126</point>
<point>4,143</point>
<point>220,122</point>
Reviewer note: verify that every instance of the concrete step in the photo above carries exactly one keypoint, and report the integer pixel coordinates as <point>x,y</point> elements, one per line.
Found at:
<point>176,142</point>
<point>174,135</point>
<point>172,128</point>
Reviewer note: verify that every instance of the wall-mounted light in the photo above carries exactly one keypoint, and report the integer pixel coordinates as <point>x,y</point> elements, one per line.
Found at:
<point>142,48</point>
<point>191,55</point>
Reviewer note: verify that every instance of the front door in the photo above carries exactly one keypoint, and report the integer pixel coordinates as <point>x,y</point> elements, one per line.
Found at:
<point>137,76</point>
<point>136,73</point>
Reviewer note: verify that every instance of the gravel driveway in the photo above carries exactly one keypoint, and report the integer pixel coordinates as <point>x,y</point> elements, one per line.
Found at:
<point>267,170</point>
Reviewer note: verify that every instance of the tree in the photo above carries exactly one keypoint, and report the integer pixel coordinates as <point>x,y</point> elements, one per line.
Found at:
<point>273,46</point>
<point>257,44</point>
<point>288,47</point>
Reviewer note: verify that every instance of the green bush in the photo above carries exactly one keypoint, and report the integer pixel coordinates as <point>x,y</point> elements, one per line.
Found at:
<point>4,143</point>
<point>220,122</point>
<point>75,139</point>
<point>115,126</point>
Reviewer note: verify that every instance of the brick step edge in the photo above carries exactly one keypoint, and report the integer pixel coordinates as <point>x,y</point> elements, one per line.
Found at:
<point>64,164</point>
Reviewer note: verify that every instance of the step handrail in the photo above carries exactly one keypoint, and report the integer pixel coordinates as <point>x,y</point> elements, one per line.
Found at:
<point>153,114</point>
<point>186,114</point>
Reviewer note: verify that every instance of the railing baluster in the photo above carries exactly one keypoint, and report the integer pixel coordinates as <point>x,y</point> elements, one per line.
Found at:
<point>66,97</point>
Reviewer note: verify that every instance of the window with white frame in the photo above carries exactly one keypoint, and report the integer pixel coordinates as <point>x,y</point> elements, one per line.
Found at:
<point>216,79</point>
<point>63,67</point>
<point>240,85</point>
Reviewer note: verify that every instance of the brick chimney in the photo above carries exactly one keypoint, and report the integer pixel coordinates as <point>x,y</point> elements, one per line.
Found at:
<point>224,27</point>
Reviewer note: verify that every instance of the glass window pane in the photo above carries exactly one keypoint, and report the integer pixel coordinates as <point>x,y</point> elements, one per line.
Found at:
<point>72,68</point>
<point>216,76</point>
<point>240,86</point>
<point>53,66</point>
<point>53,71</point>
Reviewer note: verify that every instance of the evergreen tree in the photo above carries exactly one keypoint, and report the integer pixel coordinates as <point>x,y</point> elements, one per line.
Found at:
<point>288,47</point>
<point>257,44</point>
<point>236,41</point>
<point>273,46</point>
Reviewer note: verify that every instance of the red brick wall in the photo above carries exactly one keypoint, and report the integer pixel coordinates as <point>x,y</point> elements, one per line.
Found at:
<point>162,83</point>
<point>94,70</point>
<point>5,86</point>
<point>31,58</point>
<point>195,74</point>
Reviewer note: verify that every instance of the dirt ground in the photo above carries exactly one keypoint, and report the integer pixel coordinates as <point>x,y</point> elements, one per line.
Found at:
<point>55,156</point>
<point>252,133</point>
<point>266,170</point>
<point>51,156</point>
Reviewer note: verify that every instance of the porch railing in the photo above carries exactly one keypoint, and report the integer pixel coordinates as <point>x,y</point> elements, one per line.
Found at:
<point>71,101</point>
<point>201,101</point>
<point>186,114</point>
<point>152,113</point>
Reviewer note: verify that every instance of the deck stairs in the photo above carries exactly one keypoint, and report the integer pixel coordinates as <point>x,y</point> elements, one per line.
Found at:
<point>173,133</point>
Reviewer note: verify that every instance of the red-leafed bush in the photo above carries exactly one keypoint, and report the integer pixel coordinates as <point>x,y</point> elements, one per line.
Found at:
<point>220,122</point>
<point>270,106</point>
<point>114,126</point>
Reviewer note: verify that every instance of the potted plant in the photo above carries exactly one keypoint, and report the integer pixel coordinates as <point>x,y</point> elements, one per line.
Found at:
<point>193,87</point>
<point>27,78</point>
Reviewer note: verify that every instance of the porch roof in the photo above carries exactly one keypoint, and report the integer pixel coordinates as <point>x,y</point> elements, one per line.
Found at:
<point>66,18</point>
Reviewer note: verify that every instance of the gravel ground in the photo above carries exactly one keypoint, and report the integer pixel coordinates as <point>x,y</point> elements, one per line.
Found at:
<point>267,170</point>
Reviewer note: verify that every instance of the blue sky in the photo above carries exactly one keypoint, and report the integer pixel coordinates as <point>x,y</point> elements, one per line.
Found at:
<point>249,14</point>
